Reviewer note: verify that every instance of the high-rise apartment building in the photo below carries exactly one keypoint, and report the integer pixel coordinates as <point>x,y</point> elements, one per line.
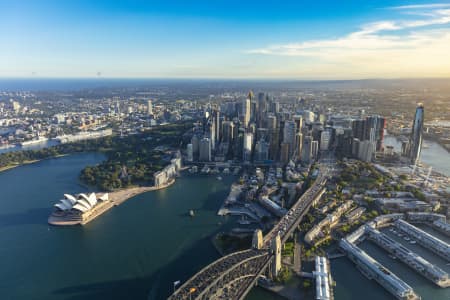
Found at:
<point>415,142</point>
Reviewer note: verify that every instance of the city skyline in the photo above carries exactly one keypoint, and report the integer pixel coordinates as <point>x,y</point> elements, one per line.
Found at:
<point>327,40</point>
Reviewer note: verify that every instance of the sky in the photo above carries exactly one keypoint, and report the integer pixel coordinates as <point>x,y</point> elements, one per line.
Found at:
<point>349,39</point>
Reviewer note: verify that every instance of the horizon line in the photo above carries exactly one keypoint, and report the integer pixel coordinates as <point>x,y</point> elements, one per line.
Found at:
<point>223,78</point>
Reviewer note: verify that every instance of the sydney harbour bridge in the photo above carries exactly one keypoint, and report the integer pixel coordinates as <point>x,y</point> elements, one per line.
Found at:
<point>234,275</point>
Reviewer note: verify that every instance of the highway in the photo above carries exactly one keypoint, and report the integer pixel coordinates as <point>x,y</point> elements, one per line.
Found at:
<point>233,276</point>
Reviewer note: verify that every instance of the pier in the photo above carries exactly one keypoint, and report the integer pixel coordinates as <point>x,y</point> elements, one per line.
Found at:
<point>441,227</point>
<point>428,241</point>
<point>413,260</point>
<point>372,269</point>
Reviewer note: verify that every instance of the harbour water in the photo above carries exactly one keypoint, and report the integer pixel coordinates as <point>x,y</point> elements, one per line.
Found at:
<point>432,154</point>
<point>134,251</point>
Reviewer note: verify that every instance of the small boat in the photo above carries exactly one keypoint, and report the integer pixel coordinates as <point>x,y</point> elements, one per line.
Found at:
<point>412,242</point>
<point>406,238</point>
<point>191,213</point>
<point>219,178</point>
<point>393,257</point>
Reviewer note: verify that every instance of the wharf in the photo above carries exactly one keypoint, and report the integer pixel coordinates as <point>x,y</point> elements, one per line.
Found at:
<point>425,239</point>
<point>411,259</point>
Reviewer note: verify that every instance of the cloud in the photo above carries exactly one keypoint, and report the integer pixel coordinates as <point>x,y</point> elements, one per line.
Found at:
<point>421,6</point>
<point>414,45</point>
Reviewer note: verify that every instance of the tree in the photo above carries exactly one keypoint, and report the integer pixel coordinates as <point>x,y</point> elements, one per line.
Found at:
<point>306,284</point>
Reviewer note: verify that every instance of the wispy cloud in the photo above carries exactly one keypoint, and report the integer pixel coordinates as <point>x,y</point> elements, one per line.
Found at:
<point>413,44</point>
<point>422,6</point>
<point>370,36</point>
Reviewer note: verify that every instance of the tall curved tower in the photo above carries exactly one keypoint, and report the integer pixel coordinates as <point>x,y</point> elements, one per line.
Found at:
<point>415,141</point>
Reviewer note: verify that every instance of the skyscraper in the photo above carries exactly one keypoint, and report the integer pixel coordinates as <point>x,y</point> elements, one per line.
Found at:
<point>325,138</point>
<point>284,153</point>
<point>227,131</point>
<point>248,144</point>
<point>149,107</point>
<point>216,120</point>
<point>261,110</point>
<point>246,107</point>
<point>306,149</point>
<point>205,149</point>
<point>314,149</point>
<point>298,145</point>
<point>261,150</point>
<point>289,136</point>
<point>190,152</point>
<point>416,134</point>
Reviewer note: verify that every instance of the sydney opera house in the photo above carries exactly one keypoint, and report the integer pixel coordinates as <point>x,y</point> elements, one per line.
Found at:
<point>79,209</point>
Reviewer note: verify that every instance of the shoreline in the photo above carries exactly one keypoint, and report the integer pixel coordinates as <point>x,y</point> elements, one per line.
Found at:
<point>120,196</point>
<point>29,162</point>
<point>115,199</point>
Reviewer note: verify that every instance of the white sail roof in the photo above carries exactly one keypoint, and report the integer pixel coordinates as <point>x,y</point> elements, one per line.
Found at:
<point>67,203</point>
<point>80,207</point>
<point>84,203</point>
<point>92,199</point>
<point>61,206</point>
<point>104,197</point>
<point>70,198</point>
<point>81,202</point>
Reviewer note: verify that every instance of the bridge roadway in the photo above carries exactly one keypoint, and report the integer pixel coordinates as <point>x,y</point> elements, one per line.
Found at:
<point>233,276</point>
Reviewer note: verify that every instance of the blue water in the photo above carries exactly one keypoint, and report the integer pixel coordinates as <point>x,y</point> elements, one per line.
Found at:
<point>133,251</point>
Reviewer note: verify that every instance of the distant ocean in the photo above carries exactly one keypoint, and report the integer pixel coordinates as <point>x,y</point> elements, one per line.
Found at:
<point>73,84</point>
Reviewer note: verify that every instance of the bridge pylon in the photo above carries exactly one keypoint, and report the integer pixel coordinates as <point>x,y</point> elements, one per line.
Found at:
<point>257,241</point>
<point>276,249</point>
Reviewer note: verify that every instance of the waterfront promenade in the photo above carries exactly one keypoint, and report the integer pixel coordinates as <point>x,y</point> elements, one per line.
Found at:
<point>120,196</point>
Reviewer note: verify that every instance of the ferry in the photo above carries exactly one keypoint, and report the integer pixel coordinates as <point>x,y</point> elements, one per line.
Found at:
<point>206,170</point>
<point>193,170</point>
